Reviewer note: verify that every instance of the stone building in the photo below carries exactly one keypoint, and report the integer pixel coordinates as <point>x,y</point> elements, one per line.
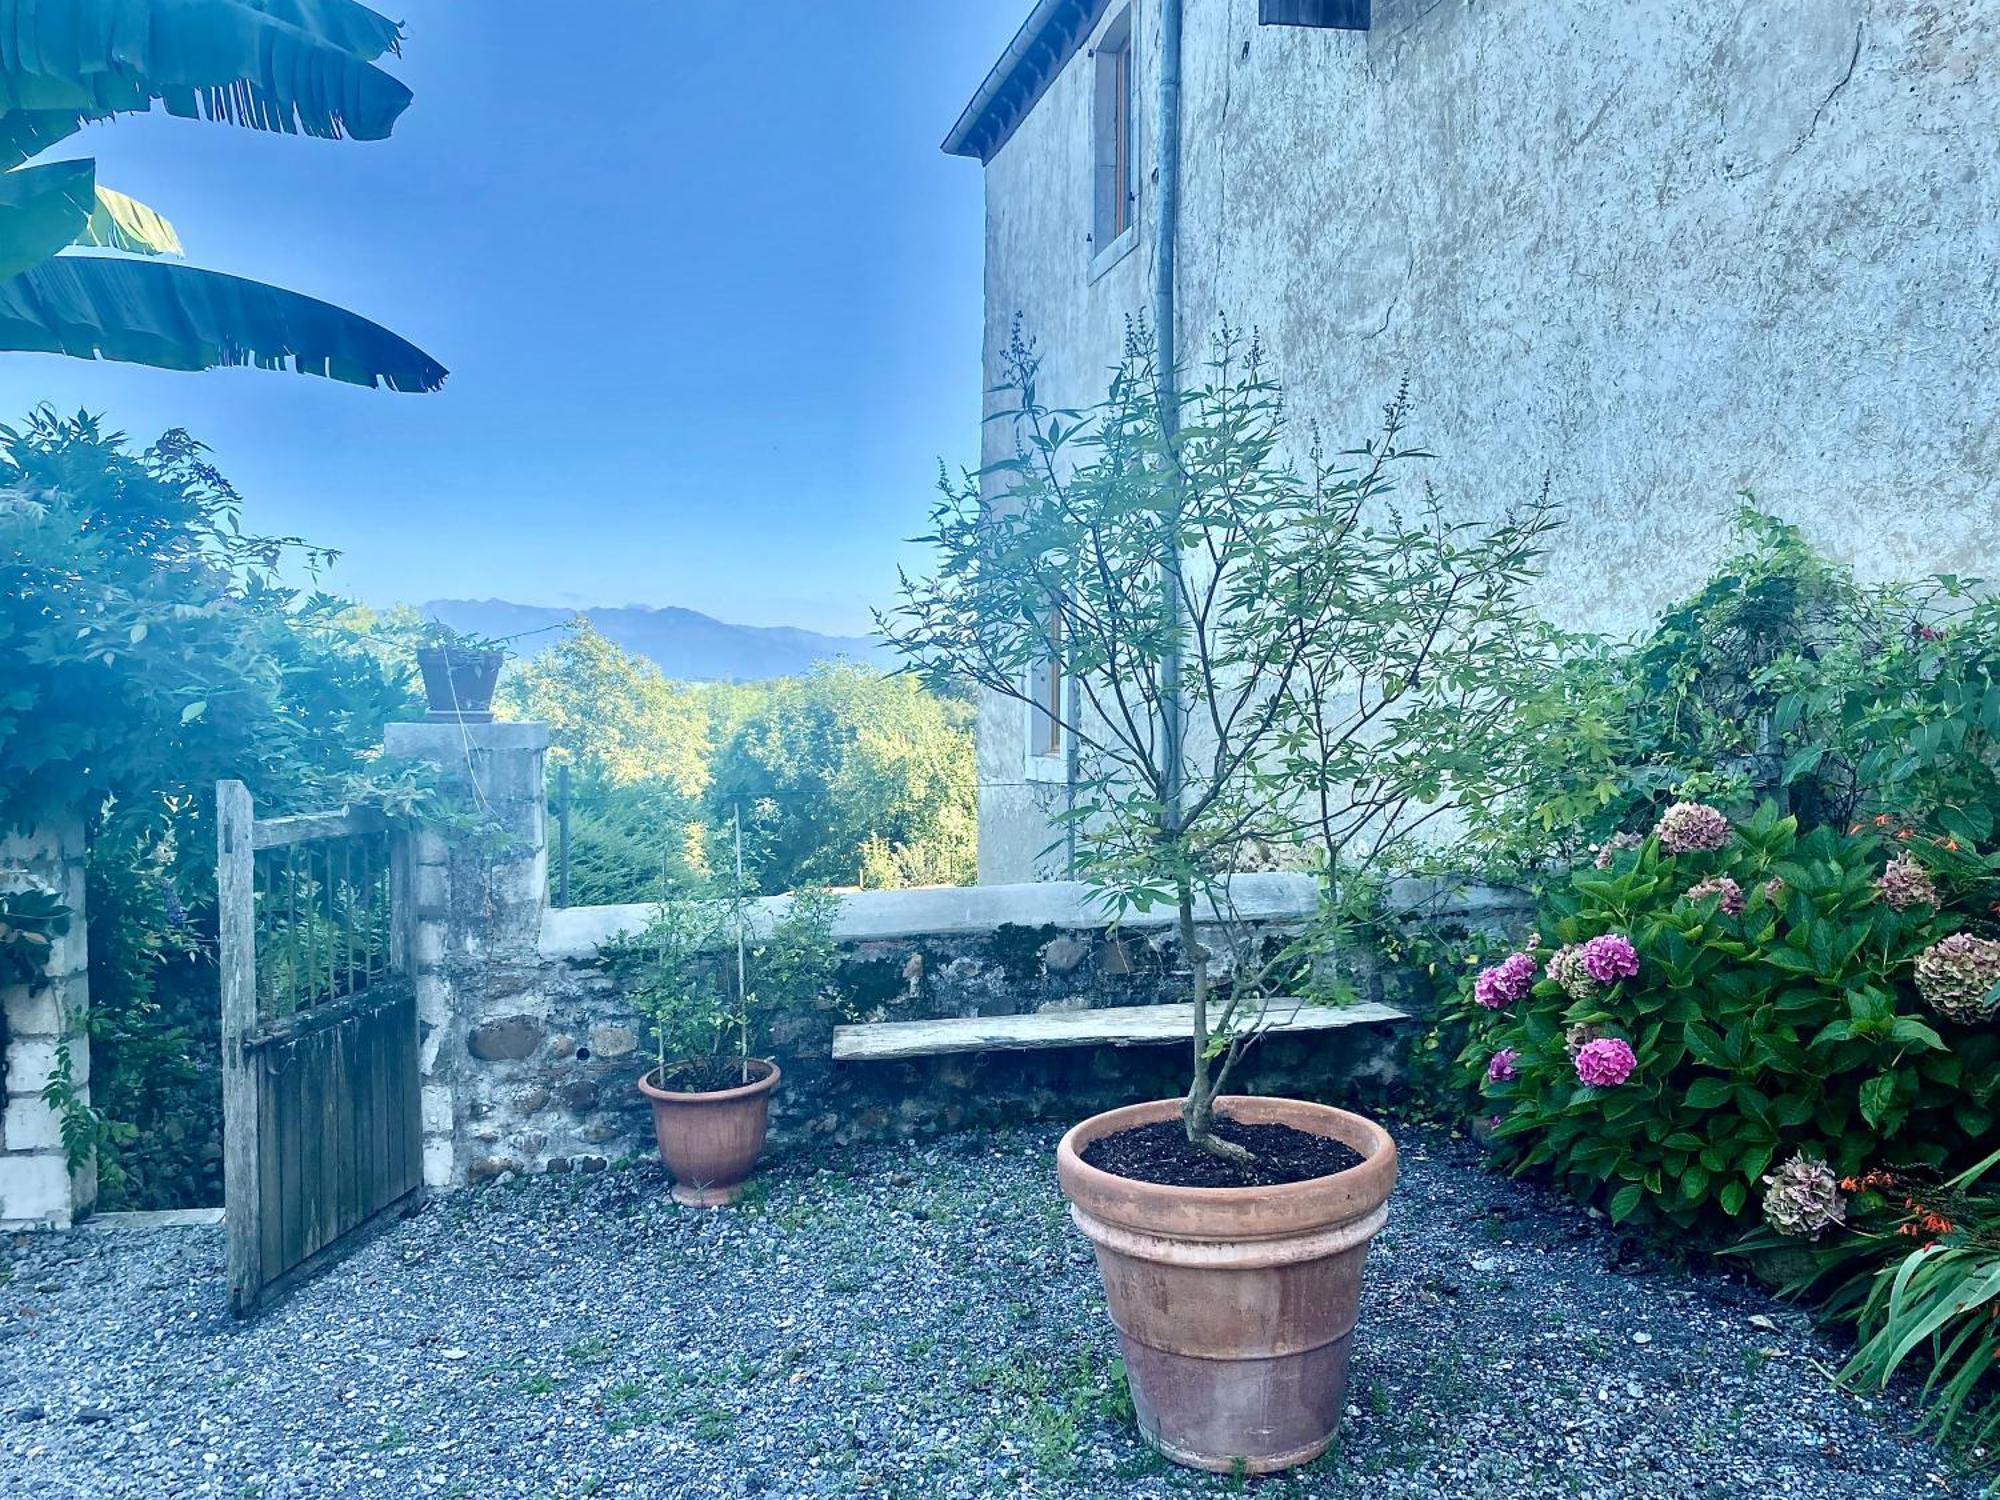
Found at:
<point>1663,252</point>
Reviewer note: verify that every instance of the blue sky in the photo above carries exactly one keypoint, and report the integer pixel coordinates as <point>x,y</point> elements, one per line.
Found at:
<point>709,292</point>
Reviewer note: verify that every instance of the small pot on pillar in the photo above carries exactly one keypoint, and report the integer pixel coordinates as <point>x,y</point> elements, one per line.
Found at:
<point>460,673</point>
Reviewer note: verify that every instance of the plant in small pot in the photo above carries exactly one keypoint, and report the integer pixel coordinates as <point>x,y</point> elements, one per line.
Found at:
<point>460,673</point>
<point>1250,657</point>
<point>708,988</point>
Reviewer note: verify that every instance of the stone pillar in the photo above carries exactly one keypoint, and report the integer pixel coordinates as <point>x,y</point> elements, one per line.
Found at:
<point>472,893</point>
<point>37,1188</point>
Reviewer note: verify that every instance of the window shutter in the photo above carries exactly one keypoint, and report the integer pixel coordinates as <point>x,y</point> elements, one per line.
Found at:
<point>1342,15</point>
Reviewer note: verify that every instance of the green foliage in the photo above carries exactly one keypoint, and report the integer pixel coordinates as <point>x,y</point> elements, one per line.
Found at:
<point>152,648</point>
<point>1794,1024</point>
<point>1262,656</point>
<point>1781,676</point>
<point>840,776</point>
<point>309,68</point>
<point>846,775</point>
<point>708,1018</point>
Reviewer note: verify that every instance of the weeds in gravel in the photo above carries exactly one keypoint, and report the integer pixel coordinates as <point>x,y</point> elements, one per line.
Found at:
<point>588,1351</point>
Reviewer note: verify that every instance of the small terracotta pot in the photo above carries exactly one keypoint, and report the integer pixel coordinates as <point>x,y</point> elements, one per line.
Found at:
<point>711,1141</point>
<point>1236,1305</point>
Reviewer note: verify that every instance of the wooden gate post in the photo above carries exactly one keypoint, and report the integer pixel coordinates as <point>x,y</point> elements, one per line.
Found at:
<point>235,862</point>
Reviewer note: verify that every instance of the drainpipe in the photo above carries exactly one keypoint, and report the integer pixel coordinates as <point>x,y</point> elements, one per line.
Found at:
<point>1167,212</point>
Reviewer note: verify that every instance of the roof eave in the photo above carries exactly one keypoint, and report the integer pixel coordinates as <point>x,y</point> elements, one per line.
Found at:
<point>1047,40</point>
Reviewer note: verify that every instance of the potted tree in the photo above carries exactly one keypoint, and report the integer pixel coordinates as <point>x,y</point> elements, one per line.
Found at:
<point>460,673</point>
<point>1258,656</point>
<point>707,988</point>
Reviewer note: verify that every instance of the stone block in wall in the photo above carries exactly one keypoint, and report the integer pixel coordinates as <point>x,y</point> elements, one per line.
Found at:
<point>507,1039</point>
<point>27,1124</point>
<point>436,1108</point>
<point>32,1060</point>
<point>440,1158</point>
<point>36,1188</point>
<point>47,1010</point>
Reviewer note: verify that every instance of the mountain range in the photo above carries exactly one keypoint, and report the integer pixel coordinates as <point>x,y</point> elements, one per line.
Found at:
<point>682,643</point>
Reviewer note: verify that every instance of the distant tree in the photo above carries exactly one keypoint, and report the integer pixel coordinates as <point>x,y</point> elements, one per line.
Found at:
<point>612,717</point>
<point>296,66</point>
<point>847,767</point>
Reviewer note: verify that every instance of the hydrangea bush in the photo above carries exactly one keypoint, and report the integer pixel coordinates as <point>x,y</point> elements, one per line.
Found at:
<point>1718,998</point>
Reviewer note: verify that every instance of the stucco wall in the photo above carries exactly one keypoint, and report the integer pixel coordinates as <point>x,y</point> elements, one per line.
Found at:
<point>1662,253</point>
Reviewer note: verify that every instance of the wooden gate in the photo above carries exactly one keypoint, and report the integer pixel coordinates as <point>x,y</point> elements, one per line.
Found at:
<point>321,1134</point>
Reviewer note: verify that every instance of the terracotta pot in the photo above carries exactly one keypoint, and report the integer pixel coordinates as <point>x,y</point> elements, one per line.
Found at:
<point>459,681</point>
<point>1236,1305</point>
<point>711,1141</point>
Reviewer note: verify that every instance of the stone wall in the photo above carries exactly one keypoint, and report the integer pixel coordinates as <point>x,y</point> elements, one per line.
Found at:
<point>37,1189</point>
<point>532,1050</point>
<point>1663,253</point>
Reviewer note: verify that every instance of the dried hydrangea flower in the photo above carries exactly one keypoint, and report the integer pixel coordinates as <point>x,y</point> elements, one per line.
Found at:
<point>1731,893</point>
<point>1803,1198</point>
<point>1692,828</point>
<point>1605,1063</point>
<point>1567,970</point>
<point>1501,1068</point>
<point>1610,958</point>
<point>1955,975</point>
<point>1904,883</point>
<point>1774,889</point>
<point>1607,850</point>
<point>1580,1036</point>
<point>1506,982</point>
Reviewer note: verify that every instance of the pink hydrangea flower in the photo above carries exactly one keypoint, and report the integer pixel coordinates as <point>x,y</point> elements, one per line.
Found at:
<point>1506,982</point>
<point>1723,886</point>
<point>1610,958</point>
<point>1691,828</point>
<point>1501,1069</point>
<point>1605,1063</point>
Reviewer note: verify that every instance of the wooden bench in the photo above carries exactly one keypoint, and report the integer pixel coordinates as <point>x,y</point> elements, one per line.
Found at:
<point>1117,1026</point>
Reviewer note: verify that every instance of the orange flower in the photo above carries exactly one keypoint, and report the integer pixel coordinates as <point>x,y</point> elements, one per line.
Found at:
<point>1881,820</point>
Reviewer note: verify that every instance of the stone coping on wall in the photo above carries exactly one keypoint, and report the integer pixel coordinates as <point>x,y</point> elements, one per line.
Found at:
<point>574,934</point>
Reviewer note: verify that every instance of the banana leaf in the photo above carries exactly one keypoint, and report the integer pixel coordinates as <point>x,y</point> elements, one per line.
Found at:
<point>176,317</point>
<point>283,65</point>
<point>121,223</point>
<point>42,209</point>
<point>28,132</point>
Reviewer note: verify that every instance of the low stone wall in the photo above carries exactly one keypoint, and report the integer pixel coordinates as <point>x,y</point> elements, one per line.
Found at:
<point>532,1051</point>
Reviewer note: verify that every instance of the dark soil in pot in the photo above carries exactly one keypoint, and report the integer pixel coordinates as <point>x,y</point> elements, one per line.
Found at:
<point>1160,1153</point>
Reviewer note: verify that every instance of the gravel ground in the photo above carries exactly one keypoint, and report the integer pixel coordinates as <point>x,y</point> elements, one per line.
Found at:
<point>921,1322</point>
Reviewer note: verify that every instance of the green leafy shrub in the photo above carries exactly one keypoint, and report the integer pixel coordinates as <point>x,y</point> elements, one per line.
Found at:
<point>708,1011</point>
<point>1782,676</point>
<point>1775,1006</point>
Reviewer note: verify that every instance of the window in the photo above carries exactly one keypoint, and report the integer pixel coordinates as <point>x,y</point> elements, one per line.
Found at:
<point>1341,15</point>
<point>1048,689</point>
<point>1116,154</point>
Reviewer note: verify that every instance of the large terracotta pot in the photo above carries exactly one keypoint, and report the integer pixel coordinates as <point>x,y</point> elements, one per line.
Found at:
<point>1236,1305</point>
<point>711,1141</point>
